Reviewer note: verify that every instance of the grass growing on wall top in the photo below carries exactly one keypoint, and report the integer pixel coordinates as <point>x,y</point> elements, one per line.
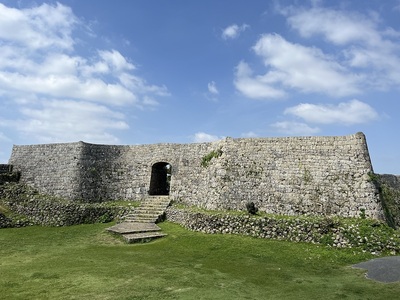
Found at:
<point>83,261</point>
<point>207,158</point>
<point>23,205</point>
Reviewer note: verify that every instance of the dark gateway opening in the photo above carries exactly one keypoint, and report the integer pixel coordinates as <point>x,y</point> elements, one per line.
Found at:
<point>160,179</point>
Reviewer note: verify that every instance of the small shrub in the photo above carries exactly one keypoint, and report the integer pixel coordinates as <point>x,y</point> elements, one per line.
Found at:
<point>105,218</point>
<point>327,224</point>
<point>251,208</point>
<point>207,158</point>
<point>327,239</point>
<point>307,177</point>
<point>362,213</point>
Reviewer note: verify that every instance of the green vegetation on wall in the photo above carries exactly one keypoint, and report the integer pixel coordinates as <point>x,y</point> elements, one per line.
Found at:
<point>390,199</point>
<point>207,158</point>
<point>21,205</point>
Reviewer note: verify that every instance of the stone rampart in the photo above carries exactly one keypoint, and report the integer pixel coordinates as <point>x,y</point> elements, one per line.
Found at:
<point>50,168</point>
<point>292,176</point>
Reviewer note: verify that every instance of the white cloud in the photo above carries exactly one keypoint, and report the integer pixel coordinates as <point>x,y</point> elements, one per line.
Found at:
<point>255,87</point>
<point>61,94</point>
<point>306,69</point>
<point>39,27</point>
<point>202,137</point>
<point>359,55</point>
<point>233,31</point>
<point>249,134</point>
<point>293,67</point>
<point>68,120</point>
<point>212,88</point>
<point>338,27</point>
<point>359,38</point>
<point>91,89</point>
<point>294,128</point>
<point>149,101</point>
<point>347,113</point>
<point>116,61</point>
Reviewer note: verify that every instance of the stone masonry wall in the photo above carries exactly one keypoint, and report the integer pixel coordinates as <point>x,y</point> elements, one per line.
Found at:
<point>292,176</point>
<point>50,168</point>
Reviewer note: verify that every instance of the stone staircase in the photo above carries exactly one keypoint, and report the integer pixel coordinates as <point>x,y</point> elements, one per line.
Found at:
<point>139,226</point>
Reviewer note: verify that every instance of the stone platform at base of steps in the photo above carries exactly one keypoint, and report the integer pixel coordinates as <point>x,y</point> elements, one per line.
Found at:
<point>135,232</point>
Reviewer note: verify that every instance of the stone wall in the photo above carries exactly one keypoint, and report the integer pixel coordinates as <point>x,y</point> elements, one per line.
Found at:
<point>325,175</point>
<point>292,176</point>
<point>367,235</point>
<point>50,168</point>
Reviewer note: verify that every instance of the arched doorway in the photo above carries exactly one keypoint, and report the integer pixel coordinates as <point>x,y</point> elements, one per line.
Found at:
<point>160,179</point>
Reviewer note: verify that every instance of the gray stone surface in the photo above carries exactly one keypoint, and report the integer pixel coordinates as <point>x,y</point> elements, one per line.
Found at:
<point>140,225</point>
<point>385,269</point>
<point>131,227</point>
<point>134,232</point>
<point>143,237</point>
<point>151,210</point>
<point>291,176</point>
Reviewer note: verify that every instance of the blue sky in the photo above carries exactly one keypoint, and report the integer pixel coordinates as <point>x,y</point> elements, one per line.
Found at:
<point>153,71</point>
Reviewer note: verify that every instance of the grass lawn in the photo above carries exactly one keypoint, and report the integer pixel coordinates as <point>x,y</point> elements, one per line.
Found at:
<point>85,262</point>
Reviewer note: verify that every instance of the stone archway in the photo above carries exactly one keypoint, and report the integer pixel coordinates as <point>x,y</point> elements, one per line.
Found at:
<point>160,179</point>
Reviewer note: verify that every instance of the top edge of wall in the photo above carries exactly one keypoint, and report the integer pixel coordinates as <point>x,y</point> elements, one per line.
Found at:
<point>287,138</point>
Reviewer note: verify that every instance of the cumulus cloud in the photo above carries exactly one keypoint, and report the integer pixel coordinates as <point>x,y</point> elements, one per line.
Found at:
<point>233,31</point>
<point>338,27</point>
<point>60,94</point>
<point>202,137</point>
<point>256,87</point>
<point>74,120</point>
<point>357,55</point>
<point>347,113</point>
<point>294,128</point>
<point>359,38</point>
<point>41,27</point>
<point>293,67</point>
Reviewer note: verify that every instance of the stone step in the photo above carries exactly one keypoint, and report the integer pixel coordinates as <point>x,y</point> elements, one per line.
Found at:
<point>133,227</point>
<point>139,225</point>
<point>139,216</point>
<point>142,237</point>
<point>157,200</point>
<point>153,206</point>
<point>150,209</point>
<point>147,213</point>
<point>143,220</point>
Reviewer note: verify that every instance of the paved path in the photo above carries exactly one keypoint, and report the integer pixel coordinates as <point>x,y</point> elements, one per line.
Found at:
<point>385,269</point>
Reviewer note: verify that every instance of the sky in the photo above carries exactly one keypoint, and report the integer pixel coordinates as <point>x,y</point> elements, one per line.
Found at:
<point>181,71</point>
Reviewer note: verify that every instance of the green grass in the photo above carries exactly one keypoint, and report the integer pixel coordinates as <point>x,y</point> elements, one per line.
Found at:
<point>84,262</point>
